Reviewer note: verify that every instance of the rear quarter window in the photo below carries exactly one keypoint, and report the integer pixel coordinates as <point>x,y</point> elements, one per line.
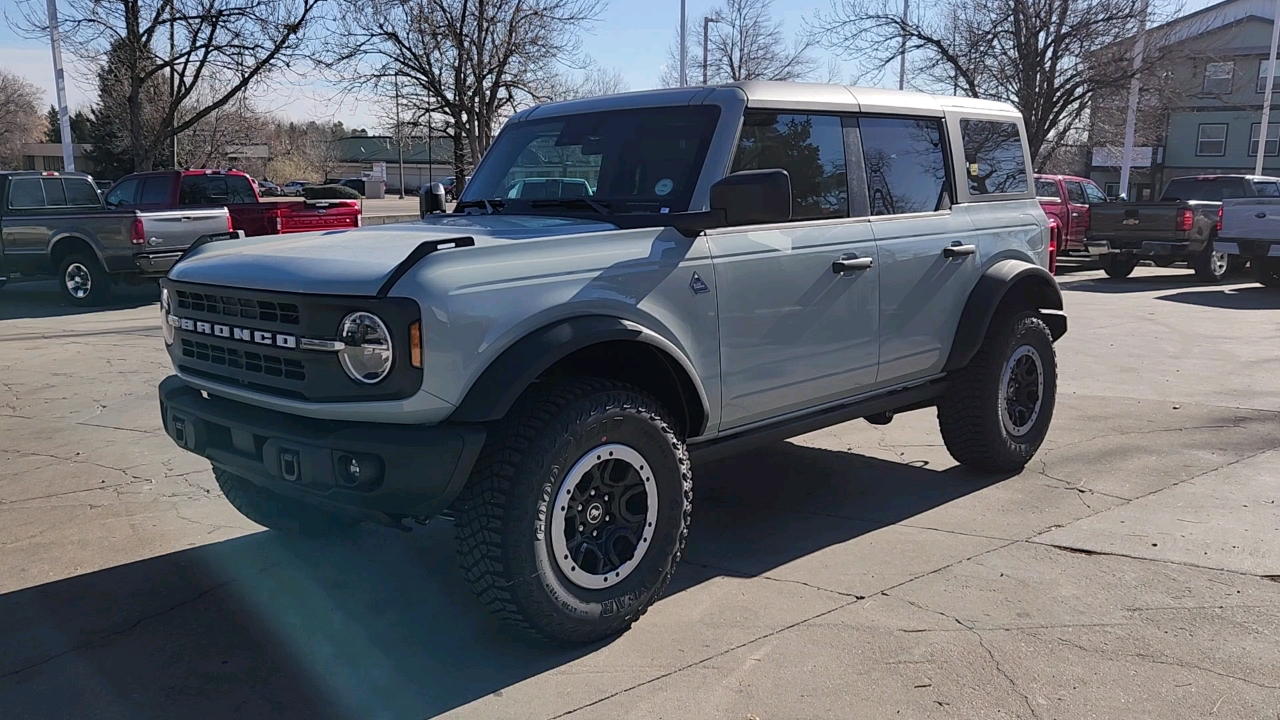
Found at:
<point>994,161</point>
<point>1047,189</point>
<point>25,194</point>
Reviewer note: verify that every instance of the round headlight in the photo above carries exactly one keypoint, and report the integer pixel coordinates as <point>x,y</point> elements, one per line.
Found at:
<point>165,309</point>
<point>366,355</point>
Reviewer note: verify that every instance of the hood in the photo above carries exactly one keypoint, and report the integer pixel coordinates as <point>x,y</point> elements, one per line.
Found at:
<point>354,262</point>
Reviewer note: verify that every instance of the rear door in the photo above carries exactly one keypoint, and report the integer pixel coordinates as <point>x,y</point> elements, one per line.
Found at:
<point>26,227</point>
<point>797,300</point>
<point>1077,212</point>
<point>922,289</point>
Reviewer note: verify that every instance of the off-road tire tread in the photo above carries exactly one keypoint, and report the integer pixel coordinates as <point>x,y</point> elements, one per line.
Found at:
<point>479,509</point>
<point>277,512</point>
<point>972,439</point>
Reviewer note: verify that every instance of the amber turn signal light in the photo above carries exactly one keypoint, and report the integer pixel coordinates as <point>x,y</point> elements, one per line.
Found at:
<point>415,344</point>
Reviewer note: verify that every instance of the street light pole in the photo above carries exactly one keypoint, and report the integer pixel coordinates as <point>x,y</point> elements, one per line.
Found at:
<point>399,137</point>
<point>1266,98</point>
<point>59,79</point>
<point>706,36</point>
<point>902,51</point>
<point>684,48</point>
<point>1131,114</point>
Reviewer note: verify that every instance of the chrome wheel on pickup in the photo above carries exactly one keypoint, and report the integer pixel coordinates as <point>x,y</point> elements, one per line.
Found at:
<point>84,282</point>
<point>1210,265</point>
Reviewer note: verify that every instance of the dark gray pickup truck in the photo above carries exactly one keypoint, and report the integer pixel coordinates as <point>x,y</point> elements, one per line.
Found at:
<point>57,224</point>
<point>1182,225</point>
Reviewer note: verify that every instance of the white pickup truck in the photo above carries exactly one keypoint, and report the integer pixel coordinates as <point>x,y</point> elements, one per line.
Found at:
<point>1250,227</point>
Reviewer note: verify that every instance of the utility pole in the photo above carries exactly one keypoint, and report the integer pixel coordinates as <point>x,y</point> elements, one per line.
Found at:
<point>399,137</point>
<point>1266,98</point>
<point>707,24</point>
<point>684,48</point>
<point>60,82</point>
<point>1131,115</point>
<point>902,52</point>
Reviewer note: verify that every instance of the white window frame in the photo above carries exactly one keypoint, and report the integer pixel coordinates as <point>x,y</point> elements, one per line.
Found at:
<point>1262,78</point>
<point>1210,75</point>
<point>1272,148</point>
<point>1201,140</point>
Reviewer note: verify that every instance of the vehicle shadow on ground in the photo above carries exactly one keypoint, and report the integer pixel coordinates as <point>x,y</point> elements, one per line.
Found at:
<point>267,625</point>
<point>1140,283</point>
<point>1237,298</point>
<point>42,299</point>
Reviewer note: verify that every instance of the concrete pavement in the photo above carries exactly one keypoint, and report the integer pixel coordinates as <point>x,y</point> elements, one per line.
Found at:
<point>1130,572</point>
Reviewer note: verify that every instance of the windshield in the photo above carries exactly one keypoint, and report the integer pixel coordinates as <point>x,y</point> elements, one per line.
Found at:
<point>1194,188</point>
<point>645,160</point>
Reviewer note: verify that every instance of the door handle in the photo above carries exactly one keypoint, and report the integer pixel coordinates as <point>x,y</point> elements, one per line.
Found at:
<point>843,266</point>
<point>1075,214</point>
<point>186,218</point>
<point>956,251</point>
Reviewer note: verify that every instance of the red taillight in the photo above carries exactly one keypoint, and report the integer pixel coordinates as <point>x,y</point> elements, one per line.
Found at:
<point>138,235</point>
<point>1218,226</point>
<point>230,227</point>
<point>1185,220</point>
<point>1054,229</point>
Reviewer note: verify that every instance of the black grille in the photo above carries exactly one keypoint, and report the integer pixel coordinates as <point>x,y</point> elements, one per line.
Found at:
<point>247,360</point>
<point>247,308</point>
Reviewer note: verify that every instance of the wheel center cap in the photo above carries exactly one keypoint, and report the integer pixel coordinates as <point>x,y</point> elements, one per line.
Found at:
<point>595,512</point>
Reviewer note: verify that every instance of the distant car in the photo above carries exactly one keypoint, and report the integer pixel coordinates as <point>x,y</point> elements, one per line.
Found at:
<point>548,189</point>
<point>294,188</point>
<point>266,188</point>
<point>450,188</point>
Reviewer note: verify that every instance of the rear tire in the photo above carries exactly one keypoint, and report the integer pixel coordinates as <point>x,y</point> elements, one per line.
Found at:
<point>1118,265</point>
<point>277,512</point>
<point>1210,266</point>
<point>1267,271</point>
<point>997,409</point>
<point>527,522</point>
<point>83,280</point>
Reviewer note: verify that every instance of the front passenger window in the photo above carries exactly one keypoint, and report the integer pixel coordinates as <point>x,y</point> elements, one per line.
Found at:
<point>810,148</point>
<point>906,171</point>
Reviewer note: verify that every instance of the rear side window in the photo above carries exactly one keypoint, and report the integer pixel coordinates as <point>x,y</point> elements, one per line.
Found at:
<point>1047,189</point>
<point>810,148</point>
<point>54,195</point>
<point>81,192</point>
<point>1267,189</point>
<point>993,156</point>
<point>25,194</point>
<point>1204,188</point>
<point>215,190</point>
<point>1075,192</point>
<point>155,190</point>
<point>906,170</point>
<point>123,193</point>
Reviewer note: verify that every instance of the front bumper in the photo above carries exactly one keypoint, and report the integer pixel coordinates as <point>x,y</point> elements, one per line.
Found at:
<point>405,470</point>
<point>1249,248</point>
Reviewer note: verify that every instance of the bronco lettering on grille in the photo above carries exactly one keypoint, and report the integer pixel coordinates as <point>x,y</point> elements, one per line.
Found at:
<point>257,337</point>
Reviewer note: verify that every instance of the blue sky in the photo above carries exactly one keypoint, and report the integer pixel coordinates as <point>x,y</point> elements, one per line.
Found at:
<point>631,35</point>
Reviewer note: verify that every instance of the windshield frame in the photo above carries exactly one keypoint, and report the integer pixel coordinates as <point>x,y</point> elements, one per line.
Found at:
<point>692,198</point>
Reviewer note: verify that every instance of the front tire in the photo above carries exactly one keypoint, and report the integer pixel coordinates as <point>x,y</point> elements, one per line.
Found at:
<point>1266,271</point>
<point>997,410</point>
<point>277,512</point>
<point>576,512</point>
<point>84,282</point>
<point>1118,265</point>
<point>1210,266</point>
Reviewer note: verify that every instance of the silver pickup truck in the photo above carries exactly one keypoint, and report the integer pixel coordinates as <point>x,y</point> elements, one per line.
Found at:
<point>550,361</point>
<point>1251,230</point>
<point>55,223</point>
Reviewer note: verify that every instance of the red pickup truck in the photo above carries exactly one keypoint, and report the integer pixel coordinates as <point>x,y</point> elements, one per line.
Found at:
<point>1067,199</point>
<point>236,191</point>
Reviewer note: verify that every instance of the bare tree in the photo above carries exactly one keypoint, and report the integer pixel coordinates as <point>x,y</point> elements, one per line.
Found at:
<point>744,42</point>
<point>473,62</point>
<point>214,50</point>
<point>20,119</point>
<point>593,81</point>
<point>1048,58</point>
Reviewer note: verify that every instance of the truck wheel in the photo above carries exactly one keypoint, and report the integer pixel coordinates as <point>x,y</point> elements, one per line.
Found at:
<point>997,409</point>
<point>1267,271</point>
<point>84,282</point>
<point>277,512</point>
<point>576,512</point>
<point>1118,265</point>
<point>1210,266</point>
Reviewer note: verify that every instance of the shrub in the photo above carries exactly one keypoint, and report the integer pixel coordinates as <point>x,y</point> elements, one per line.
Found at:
<point>329,192</point>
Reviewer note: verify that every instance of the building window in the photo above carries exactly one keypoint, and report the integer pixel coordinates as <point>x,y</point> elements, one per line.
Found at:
<point>1262,76</point>
<point>1218,77</point>
<point>1112,190</point>
<point>1212,140</point>
<point>1273,139</point>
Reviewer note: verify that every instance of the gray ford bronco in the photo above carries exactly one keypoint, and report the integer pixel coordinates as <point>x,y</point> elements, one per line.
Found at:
<point>694,272</point>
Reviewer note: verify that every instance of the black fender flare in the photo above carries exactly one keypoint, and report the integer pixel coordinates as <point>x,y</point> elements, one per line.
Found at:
<point>507,376</point>
<point>1030,283</point>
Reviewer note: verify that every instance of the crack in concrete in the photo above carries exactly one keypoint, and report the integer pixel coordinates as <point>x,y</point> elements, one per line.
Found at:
<point>1163,661</point>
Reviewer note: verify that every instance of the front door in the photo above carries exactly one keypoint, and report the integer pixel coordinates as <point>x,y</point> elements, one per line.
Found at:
<point>1078,214</point>
<point>927,249</point>
<point>797,301</point>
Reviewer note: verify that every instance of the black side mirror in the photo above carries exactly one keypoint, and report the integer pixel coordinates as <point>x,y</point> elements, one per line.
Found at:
<point>753,197</point>
<point>431,200</point>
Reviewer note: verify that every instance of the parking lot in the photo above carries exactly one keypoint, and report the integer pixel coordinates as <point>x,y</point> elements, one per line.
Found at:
<point>1131,571</point>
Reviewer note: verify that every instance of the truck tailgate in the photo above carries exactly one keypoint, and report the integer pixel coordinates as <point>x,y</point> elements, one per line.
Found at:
<point>307,217</point>
<point>1251,219</point>
<point>1136,221</point>
<point>178,229</point>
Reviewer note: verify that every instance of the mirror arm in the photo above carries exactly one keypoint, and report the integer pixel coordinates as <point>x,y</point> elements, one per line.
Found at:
<point>692,224</point>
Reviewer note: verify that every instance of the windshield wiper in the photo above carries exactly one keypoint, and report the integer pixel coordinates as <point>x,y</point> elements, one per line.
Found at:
<point>601,206</point>
<point>491,207</point>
